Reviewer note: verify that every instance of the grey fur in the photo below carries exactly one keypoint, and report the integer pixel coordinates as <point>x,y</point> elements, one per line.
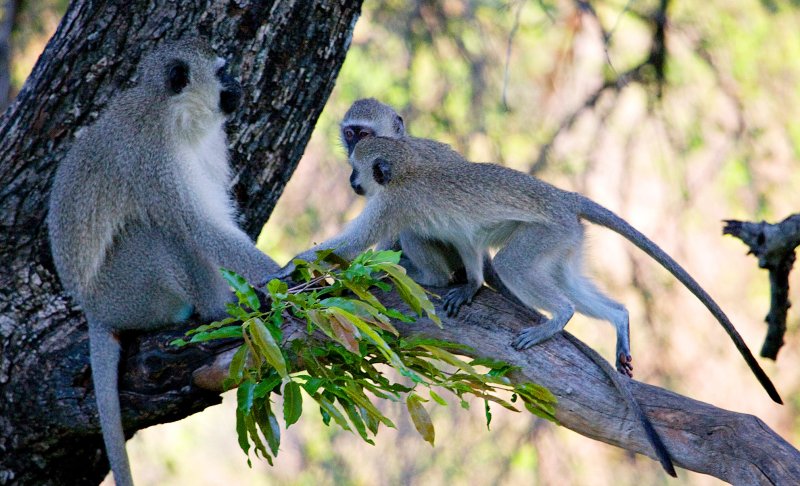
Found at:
<point>141,217</point>
<point>535,226</point>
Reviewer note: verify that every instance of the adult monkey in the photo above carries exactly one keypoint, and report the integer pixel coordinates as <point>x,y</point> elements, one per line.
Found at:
<point>141,218</point>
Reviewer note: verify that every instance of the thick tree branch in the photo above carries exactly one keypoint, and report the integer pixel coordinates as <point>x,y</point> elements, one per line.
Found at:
<point>773,245</point>
<point>735,447</point>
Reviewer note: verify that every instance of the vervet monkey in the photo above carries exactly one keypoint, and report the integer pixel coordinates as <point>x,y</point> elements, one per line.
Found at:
<point>535,226</point>
<point>141,218</point>
<point>433,262</point>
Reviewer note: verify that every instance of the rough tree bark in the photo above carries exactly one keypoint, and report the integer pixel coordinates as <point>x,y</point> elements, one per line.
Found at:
<point>8,10</point>
<point>288,54</point>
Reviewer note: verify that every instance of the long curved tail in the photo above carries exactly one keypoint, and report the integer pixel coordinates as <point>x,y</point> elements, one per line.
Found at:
<point>591,211</point>
<point>104,351</point>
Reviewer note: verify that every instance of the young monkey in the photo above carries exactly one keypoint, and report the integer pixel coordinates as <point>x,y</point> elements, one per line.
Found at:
<point>430,262</point>
<point>535,226</point>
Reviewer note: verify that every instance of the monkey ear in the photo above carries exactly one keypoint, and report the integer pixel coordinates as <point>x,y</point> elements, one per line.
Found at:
<point>399,126</point>
<point>177,76</point>
<point>382,171</point>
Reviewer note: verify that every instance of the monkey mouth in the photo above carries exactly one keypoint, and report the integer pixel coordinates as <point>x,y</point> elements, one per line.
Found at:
<point>231,94</point>
<point>358,189</point>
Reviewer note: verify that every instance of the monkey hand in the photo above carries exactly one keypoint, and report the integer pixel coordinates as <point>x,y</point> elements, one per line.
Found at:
<point>457,297</point>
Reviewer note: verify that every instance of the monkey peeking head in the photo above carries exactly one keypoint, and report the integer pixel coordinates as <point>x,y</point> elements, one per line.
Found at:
<point>367,118</point>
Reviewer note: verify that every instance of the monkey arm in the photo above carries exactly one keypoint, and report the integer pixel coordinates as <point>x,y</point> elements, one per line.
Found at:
<point>374,224</point>
<point>233,249</point>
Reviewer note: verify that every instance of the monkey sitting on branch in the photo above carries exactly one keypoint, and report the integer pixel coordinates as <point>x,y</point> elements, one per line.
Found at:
<point>425,187</point>
<point>141,218</point>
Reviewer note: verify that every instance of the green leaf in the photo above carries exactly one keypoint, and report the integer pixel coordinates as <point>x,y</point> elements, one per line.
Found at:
<point>243,289</point>
<point>277,289</point>
<point>265,387</point>
<point>358,396</point>
<point>488,413</point>
<point>372,335</point>
<point>292,403</point>
<point>411,292</point>
<point>547,413</point>
<point>241,434</point>
<point>252,430</point>
<point>355,419</point>
<point>436,398</point>
<point>454,360</point>
<point>371,257</point>
<point>267,346</point>
<point>364,295</point>
<point>268,423</point>
<point>333,412</point>
<point>244,396</point>
<point>420,417</point>
<point>221,333</point>
<point>236,368</point>
<point>532,391</point>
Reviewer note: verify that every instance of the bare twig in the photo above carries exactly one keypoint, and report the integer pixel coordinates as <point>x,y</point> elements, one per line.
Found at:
<point>773,245</point>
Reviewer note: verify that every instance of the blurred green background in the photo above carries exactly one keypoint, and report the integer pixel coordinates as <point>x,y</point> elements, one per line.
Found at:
<point>674,132</point>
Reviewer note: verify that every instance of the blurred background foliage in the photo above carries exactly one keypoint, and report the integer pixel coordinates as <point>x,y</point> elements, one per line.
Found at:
<point>676,115</point>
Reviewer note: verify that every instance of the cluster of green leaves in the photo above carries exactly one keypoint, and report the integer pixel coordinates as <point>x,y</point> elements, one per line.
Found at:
<point>340,373</point>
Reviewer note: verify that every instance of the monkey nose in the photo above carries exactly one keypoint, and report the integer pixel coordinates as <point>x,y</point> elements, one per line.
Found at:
<point>357,189</point>
<point>231,94</point>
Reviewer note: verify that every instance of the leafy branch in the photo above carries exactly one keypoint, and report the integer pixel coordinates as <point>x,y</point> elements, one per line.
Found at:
<point>338,299</point>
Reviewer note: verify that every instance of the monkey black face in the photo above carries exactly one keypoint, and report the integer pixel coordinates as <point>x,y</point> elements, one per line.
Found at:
<point>355,185</point>
<point>231,93</point>
<point>354,133</point>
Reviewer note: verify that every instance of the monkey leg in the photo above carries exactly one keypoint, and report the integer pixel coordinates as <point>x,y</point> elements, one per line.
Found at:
<point>590,301</point>
<point>528,267</point>
<point>431,261</point>
<point>151,279</point>
<point>473,265</point>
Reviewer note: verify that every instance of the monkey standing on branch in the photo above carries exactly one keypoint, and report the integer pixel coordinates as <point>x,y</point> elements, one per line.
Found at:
<point>414,185</point>
<point>141,218</point>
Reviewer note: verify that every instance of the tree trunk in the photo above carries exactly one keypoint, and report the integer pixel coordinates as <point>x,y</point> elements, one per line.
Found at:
<point>286,54</point>
<point>8,10</point>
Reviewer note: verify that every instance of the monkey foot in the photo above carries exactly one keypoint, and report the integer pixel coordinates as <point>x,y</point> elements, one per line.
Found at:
<point>457,297</point>
<point>531,336</point>
<point>624,364</point>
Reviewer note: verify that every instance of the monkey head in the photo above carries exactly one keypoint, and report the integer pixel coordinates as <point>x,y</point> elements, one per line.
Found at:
<point>369,117</point>
<point>378,163</point>
<point>192,82</point>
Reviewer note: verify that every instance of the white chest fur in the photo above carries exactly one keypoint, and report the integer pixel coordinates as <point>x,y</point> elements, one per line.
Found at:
<point>208,175</point>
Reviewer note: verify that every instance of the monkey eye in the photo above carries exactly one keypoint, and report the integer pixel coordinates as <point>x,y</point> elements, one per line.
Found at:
<point>364,133</point>
<point>349,133</point>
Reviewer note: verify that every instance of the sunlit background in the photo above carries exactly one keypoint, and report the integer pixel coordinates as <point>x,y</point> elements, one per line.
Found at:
<point>578,94</point>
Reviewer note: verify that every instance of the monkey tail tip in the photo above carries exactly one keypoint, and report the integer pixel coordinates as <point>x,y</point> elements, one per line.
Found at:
<point>766,383</point>
<point>773,393</point>
<point>658,447</point>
